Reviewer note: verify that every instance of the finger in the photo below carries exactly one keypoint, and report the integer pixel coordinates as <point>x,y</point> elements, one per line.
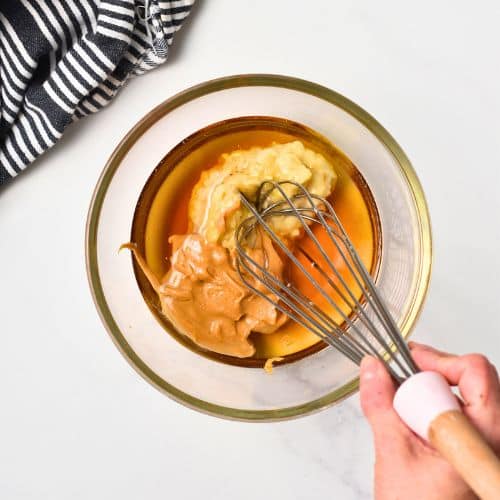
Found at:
<point>472,373</point>
<point>377,393</point>
<point>417,347</point>
<point>479,386</point>
<point>377,388</point>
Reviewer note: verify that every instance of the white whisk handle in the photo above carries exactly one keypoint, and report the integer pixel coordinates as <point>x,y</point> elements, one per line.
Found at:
<point>422,398</point>
<point>427,405</point>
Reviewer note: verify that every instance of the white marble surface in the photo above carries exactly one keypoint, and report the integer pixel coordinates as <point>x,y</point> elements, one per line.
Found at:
<point>77,422</point>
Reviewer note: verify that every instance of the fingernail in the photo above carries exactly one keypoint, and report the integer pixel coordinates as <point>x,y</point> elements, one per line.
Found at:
<point>369,366</point>
<point>418,345</point>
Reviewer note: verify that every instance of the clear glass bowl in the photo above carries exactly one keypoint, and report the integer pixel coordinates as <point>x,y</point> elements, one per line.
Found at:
<point>298,388</point>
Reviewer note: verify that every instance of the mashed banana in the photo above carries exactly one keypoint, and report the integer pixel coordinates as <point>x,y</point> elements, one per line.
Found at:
<point>215,208</point>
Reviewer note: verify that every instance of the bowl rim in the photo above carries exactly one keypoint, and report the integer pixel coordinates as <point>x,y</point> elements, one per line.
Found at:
<point>112,165</point>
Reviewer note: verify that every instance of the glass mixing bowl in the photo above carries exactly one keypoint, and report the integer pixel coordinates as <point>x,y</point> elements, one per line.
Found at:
<point>297,388</point>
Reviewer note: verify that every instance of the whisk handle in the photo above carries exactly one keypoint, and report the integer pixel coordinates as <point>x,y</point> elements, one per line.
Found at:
<point>427,405</point>
<point>460,443</point>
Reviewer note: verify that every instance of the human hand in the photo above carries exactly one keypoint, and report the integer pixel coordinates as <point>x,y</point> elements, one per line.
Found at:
<point>405,466</point>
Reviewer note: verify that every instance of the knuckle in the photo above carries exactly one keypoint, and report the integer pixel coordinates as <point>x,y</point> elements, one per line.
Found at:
<point>479,363</point>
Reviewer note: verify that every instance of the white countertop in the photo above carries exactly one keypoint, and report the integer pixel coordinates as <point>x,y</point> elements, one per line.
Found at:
<point>77,422</point>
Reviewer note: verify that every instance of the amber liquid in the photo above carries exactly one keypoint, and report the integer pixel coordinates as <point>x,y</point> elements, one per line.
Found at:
<point>162,211</point>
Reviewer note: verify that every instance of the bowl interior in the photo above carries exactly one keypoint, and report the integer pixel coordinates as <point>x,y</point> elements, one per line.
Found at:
<point>232,391</point>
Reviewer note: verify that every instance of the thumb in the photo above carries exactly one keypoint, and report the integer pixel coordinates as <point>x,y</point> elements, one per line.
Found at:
<point>377,393</point>
<point>377,388</point>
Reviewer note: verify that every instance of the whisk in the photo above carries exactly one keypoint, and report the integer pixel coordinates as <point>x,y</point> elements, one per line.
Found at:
<point>344,308</point>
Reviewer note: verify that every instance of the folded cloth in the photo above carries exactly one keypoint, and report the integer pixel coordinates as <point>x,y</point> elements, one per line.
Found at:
<point>61,60</point>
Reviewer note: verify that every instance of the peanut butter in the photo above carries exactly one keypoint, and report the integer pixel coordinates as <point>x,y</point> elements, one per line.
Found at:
<point>203,296</point>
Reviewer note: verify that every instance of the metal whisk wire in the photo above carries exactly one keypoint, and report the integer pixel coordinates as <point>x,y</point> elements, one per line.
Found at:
<point>369,327</point>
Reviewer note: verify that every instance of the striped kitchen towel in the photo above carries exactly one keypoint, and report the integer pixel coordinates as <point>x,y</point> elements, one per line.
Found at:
<point>61,60</point>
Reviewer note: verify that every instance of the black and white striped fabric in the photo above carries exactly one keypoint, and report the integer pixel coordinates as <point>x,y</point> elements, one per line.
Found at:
<point>61,60</point>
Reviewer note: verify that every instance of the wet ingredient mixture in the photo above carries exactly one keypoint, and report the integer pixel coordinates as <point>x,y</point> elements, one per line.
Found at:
<point>166,209</point>
<point>202,293</point>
